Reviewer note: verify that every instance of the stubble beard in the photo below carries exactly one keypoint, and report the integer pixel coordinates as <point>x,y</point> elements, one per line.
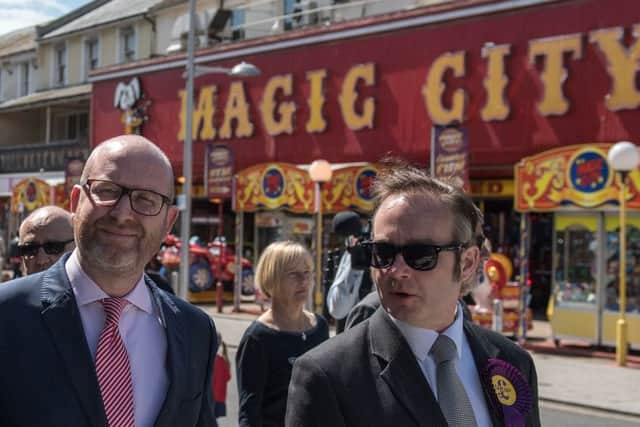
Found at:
<point>111,259</point>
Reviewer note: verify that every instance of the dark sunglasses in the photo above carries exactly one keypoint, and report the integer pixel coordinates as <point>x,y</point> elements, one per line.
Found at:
<point>50,248</point>
<point>419,256</point>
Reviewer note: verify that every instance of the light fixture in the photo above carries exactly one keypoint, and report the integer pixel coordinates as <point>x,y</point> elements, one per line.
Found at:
<point>241,70</point>
<point>623,157</point>
<point>320,172</point>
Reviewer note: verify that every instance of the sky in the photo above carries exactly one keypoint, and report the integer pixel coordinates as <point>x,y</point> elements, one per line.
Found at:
<point>15,14</point>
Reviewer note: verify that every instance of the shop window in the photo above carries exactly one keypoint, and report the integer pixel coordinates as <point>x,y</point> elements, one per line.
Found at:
<point>576,265</point>
<point>612,270</point>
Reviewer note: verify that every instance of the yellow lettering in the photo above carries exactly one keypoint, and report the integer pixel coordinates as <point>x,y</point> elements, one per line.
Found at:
<point>284,111</point>
<point>202,114</point>
<point>622,66</point>
<point>237,108</point>
<point>496,107</point>
<point>316,122</point>
<point>434,88</point>
<point>554,73</point>
<point>349,96</point>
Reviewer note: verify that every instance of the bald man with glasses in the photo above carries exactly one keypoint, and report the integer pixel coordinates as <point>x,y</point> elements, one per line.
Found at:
<point>98,342</point>
<point>417,362</point>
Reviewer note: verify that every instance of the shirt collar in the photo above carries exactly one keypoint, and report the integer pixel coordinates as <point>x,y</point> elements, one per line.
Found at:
<point>421,339</point>
<point>87,291</point>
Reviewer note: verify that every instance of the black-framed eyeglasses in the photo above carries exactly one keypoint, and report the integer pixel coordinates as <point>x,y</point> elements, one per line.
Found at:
<point>30,250</point>
<point>419,256</point>
<point>143,202</point>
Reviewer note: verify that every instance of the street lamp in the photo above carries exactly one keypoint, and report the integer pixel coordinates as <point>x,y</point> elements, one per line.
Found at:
<point>244,70</point>
<point>623,158</point>
<point>320,172</point>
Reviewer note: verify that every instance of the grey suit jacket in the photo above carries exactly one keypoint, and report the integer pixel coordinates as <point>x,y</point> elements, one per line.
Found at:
<point>47,375</point>
<point>368,376</point>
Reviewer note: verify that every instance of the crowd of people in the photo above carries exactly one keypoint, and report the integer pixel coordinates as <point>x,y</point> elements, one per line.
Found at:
<point>88,339</point>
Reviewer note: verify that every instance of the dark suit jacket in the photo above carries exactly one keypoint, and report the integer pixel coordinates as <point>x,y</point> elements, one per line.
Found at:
<point>47,375</point>
<point>368,376</point>
<point>363,310</point>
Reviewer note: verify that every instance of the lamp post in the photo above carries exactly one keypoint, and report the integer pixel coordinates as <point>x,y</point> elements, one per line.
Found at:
<point>623,158</point>
<point>320,172</point>
<point>242,69</point>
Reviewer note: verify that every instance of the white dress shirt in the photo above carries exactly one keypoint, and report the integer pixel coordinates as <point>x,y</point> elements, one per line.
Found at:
<point>420,340</point>
<point>142,332</point>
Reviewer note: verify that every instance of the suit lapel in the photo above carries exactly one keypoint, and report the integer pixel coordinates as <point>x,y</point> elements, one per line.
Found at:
<point>62,318</point>
<point>177,357</point>
<point>482,351</point>
<point>402,373</point>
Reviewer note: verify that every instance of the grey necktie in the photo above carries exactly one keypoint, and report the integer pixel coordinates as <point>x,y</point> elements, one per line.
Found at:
<point>452,397</point>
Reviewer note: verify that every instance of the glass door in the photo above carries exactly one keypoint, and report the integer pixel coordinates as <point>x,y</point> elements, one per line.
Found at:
<point>573,311</point>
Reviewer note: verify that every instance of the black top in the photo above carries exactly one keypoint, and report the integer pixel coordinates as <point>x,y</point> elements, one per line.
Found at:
<point>264,363</point>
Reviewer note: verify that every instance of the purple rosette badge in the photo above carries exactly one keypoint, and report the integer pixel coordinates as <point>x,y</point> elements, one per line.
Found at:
<point>511,391</point>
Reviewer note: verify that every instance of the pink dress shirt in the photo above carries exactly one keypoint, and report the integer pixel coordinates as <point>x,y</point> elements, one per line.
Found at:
<point>143,334</point>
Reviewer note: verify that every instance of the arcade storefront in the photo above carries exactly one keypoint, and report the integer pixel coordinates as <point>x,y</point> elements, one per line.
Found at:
<point>518,78</point>
<point>579,188</point>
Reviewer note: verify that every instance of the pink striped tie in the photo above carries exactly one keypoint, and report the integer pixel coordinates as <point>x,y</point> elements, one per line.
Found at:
<point>112,368</point>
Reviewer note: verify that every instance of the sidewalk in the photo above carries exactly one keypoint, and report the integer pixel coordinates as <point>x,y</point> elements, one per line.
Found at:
<point>571,375</point>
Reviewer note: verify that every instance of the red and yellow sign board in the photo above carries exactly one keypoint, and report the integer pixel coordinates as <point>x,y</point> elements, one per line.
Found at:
<point>273,186</point>
<point>349,188</point>
<point>571,177</point>
<point>284,186</point>
<point>31,193</point>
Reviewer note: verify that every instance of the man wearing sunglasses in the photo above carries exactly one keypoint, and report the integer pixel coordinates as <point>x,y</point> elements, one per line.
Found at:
<point>98,342</point>
<point>365,308</point>
<point>44,236</point>
<point>418,362</point>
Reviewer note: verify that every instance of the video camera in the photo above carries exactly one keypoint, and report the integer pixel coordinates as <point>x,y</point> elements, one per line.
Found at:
<point>348,224</point>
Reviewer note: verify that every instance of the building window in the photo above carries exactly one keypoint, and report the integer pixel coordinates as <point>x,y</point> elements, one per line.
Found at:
<point>91,56</point>
<point>60,69</point>
<point>24,78</point>
<point>70,127</point>
<point>289,7</point>
<point>128,44</point>
<point>237,23</point>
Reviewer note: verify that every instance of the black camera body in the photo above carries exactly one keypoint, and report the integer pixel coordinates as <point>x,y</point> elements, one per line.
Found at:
<point>361,256</point>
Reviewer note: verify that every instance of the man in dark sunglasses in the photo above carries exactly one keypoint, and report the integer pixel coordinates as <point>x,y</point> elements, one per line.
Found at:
<point>365,308</point>
<point>417,361</point>
<point>44,236</point>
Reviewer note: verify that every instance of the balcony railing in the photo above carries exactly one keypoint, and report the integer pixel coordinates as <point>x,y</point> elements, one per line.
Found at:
<point>308,13</point>
<point>37,157</point>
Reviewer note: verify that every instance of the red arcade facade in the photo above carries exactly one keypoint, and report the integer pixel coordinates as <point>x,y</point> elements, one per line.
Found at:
<point>520,77</point>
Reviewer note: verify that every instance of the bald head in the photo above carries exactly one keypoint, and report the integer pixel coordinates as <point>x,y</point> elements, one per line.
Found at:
<point>135,147</point>
<point>46,218</point>
<point>122,211</point>
<point>44,236</point>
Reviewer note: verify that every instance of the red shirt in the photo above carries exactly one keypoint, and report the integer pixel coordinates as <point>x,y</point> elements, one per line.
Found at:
<point>221,376</point>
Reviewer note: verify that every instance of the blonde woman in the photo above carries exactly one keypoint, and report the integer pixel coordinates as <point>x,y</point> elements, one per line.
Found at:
<point>272,343</point>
